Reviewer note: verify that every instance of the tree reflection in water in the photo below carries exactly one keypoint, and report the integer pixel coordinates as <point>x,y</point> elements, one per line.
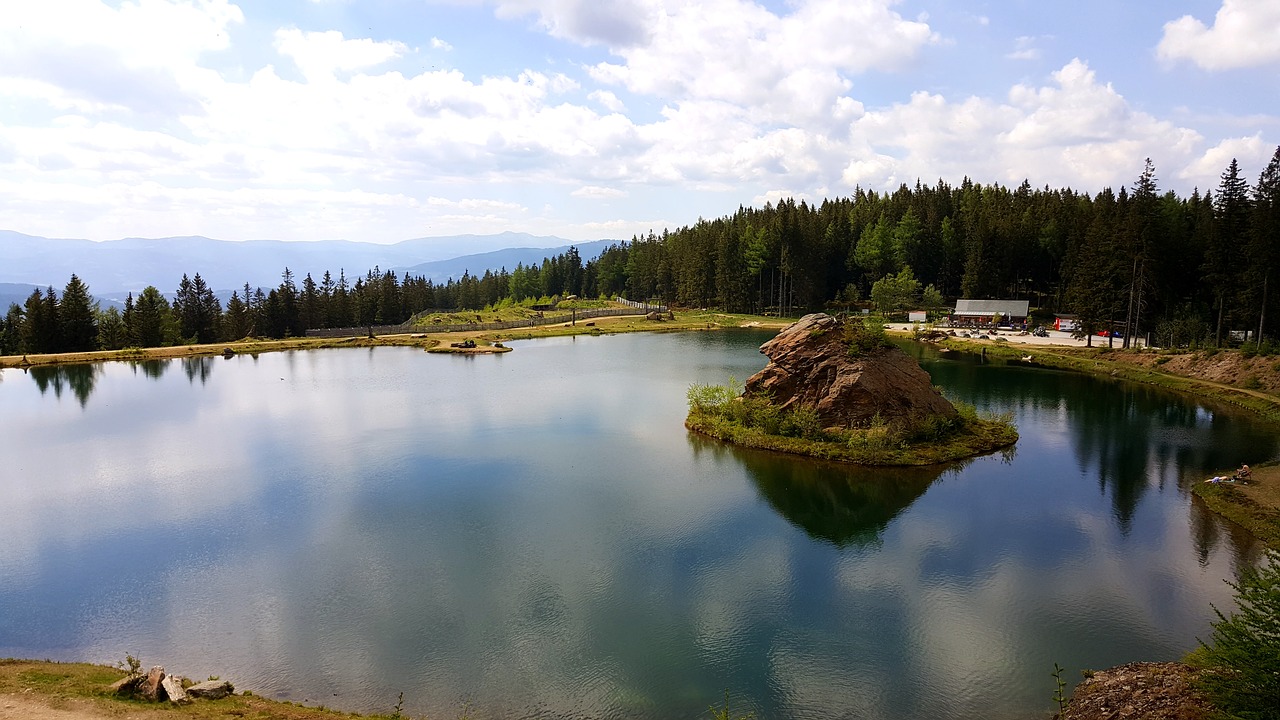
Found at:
<point>79,378</point>
<point>845,505</point>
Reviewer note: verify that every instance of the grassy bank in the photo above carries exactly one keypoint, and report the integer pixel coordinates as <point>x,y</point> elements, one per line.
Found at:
<point>79,691</point>
<point>436,341</point>
<point>1124,365</point>
<point>1254,507</point>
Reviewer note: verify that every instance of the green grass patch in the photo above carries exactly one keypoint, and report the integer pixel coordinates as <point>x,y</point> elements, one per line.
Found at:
<point>721,412</point>
<point>1235,504</point>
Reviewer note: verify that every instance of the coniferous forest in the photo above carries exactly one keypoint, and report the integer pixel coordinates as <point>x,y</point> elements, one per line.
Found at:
<point>1194,271</point>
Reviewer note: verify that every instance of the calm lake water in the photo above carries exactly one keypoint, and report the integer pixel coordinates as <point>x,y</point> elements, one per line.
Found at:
<point>536,535</point>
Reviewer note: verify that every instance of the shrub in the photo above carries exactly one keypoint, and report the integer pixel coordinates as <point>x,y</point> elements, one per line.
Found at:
<point>760,413</point>
<point>865,337</point>
<point>1243,675</point>
<point>876,442</point>
<point>802,421</point>
<point>935,427</point>
<point>707,398</point>
<point>968,413</point>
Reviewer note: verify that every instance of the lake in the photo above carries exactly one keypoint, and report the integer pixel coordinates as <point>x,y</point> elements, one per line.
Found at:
<point>536,535</point>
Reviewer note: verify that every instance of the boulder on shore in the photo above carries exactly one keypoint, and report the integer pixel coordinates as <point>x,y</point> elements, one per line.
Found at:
<point>211,689</point>
<point>818,362</point>
<point>157,685</point>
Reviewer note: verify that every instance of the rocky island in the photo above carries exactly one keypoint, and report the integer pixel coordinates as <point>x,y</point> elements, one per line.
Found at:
<point>837,389</point>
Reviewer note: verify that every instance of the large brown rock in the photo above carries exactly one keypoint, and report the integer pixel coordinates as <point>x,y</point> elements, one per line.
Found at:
<point>149,688</point>
<point>810,363</point>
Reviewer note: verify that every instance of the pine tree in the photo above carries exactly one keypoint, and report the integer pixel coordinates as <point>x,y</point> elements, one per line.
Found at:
<point>40,329</point>
<point>1143,231</point>
<point>235,321</point>
<point>1223,257</point>
<point>11,331</point>
<point>129,317</point>
<point>151,318</point>
<point>111,330</point>
<point>1243,677</point>
<point>78,320</point>
<point>1263,249</point>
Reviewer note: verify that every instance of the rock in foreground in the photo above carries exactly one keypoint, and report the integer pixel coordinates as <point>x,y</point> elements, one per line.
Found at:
<point>1151,691</point>
<point>818,362</point>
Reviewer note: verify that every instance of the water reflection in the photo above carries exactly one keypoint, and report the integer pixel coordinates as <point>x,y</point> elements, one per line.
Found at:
<point>198,367</point>
<point>845,505</point>
<point>1136,439</point>
<point>153,369</point>
<point>363,522</point>
<point>80,379</point>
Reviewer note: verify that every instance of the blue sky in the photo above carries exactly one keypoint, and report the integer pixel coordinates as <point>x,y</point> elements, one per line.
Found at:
<point>383,120</point>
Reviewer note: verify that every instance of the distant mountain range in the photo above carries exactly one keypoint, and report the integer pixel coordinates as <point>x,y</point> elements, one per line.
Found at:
<point>114,268</point>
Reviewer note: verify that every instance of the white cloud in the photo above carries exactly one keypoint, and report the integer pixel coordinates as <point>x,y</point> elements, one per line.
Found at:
<point>788,68</point>
<point>1024,48</point>
<point>727,101</point>
<point>1075,132</point>
<point>617,23</point>
<point>475,204</point>
<point>595,192</point>
<point>85,55</point>
<point>1245,33</point>
<point>1205,171</point>
<point>607,100</point>
<point>321,54</point>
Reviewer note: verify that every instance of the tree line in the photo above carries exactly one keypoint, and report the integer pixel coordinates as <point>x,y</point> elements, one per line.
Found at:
<point>1138,261</point>
<point>75,322</point>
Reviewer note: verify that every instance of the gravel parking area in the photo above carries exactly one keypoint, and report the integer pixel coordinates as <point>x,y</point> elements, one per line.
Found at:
<point>1056,337</point>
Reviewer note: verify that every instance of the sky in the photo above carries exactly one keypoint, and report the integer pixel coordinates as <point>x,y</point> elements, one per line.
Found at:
<point>385,120</point>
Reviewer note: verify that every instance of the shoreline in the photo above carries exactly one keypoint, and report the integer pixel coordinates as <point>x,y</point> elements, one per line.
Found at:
<point>435,342</point>
<point>1255,510</point>
<point>45,690</point>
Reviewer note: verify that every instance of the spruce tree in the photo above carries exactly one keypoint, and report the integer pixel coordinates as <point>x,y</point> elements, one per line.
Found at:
<point>1223,269</point>
<point>1243,677</point>
<point>1263,249</point>
<point>151,317</point>
<point>111,330</point>
<point>78,319</point>
<point>11,331</point>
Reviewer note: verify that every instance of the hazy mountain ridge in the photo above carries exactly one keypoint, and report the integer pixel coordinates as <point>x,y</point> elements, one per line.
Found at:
<point>114,268</point>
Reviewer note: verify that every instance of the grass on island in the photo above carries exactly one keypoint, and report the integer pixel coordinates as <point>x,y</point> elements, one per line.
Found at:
<point>721,412</point>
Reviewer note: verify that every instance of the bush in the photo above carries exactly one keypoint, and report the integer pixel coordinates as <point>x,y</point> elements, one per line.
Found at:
<point>1243,674</point>
<point>866,337</point>
<point>876,442</point>
<point>802,422</point>
<point>935,428</point>
<point>710,398</point>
